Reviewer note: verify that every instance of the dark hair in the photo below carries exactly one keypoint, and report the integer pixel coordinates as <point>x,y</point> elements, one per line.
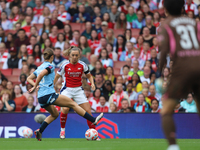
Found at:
<point>104,97</point>
<point>124,99</point>
<point>111,69</point>
<point>48,53</point>
<point>126,66</point>
<point>108,82</point>
<point>96,90</point>
<point>39,53</point>
<point>158,15</point>
<point>96,36</point>
<point>126,31</point>
<point>62,35</point>
<point>41,39</point>
<point>99,74</point>
<point>121,24</point>
<point>108,18</point>
<point>155,100</point>
<point>107,56</point>
<point>139,8</point>
<point>123,44</point>
<point>5,13</point>
<point>21,30</point>
<point>70,32</point>
<point>50,43</point>
<point>198,6</point>
<point>110,45</point>
<point>86,42</point>
<point>23,75</point>
<point>139,81</point>
<point>174,7</point>
<point>57,48</point>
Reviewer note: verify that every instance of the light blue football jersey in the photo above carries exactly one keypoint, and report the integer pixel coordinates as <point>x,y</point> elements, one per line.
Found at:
<point>46,84</point>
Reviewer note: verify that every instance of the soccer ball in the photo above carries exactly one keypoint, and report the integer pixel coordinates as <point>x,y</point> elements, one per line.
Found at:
<point>27,133</point>
<point>91,134</point>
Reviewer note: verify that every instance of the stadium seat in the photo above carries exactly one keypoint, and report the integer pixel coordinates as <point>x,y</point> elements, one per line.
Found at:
<point>119,64</point>
<point>16,72</point>
<point>161,11</point>
<point>6,72</point>
<point>9,31</point>
<point>16,83</point>
<point>18,108</point>
<point>135,32</point>
<point>116,71</point>
<point>61,31</point>
<point>13,78</point>
<point>38,26</point>
<point>133,102</point>
<point>38,63</point>
<point>118,32</point>
<point>77,26</point>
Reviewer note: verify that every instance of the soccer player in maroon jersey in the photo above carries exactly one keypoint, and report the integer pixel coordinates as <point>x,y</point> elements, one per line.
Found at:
<point>179,36</point>
<point>71,72</point>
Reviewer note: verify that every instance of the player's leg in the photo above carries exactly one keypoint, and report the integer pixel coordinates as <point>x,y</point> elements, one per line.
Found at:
<point>53,115</point>
<point>64,101</point>
<point>63,120</point>
<point>168,122</point>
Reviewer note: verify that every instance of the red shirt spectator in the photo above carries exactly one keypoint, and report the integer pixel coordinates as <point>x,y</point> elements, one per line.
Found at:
<point>39,8</point>
<point>102,106</point>
<point>191,6</point>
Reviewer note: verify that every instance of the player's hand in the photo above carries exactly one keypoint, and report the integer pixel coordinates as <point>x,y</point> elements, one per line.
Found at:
<point>38,87</point>
<point>32,89</point>
<point>93,87</point>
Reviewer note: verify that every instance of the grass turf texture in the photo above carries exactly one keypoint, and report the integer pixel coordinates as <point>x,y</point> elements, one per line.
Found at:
<point>104,144</point>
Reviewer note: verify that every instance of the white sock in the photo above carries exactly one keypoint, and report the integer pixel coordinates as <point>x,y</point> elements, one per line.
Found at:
<point>62,129</point>
<point>173,147</point>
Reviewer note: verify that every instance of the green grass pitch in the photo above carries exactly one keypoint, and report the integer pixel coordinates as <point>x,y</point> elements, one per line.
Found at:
<point>104,144</point>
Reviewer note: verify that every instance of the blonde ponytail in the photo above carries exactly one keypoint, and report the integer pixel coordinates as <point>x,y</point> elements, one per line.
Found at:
<point>67,52</point>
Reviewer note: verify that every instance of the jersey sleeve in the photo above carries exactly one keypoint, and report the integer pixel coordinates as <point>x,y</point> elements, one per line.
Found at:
<point>86,69</point>
<point>61,70</point>
<point>35,72</point>
<point>50,69</point>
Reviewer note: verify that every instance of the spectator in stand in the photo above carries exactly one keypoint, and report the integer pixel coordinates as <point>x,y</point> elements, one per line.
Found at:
<point>141,105</point>
<point>148,64</point>
<point>82,16</point>
<point>149,24</point>
<point>88,30</point>
<point>106,17</point>
<point>198,15</point>
<point>179,108</point>
<point>27,26</point>
<point>190,14</point>
<point>102,45</point>
<point>14,15</point>
<point>87,91</point>
<point>53,35</point>
<point>83,44</point>
<point>136,69</point>
<point>15,3</point>
<point>107,8</point>
<point>156,19</point>
<point>25,70</point>
<point>154,60</point>
<point>146,77</point>
<point>131,16</point>
<point>135,4</point>
<point>112,108</point>
<point>38,8</point>
<point>66,45</point>
<point>75,39</point>
<point>111,37</point>
<point>46,26</point>
<point>68,31</point>
<point>13,61</point>
<point>139,43</point>
<point>118,96</point>
<point>128,53</point>
<point>99,81</point>
<point>45,14</point>
<point>146,10</point>
<point>29,12</point>
<point>104,26</point>
<point>31,62</point>
<point>9,87</point>
<point>97,13</point>
<point>37,53</point>
<point>93,59</point>
<point>90,9</point>
<point>103,105</point>
<point>83,58</point>
<point>152,5</point>
<point>124,8</point>
<point>30,107</point>
<point>33,41</point>
<point>22,85</point>
<point>21,19</point>
<point>139,22</point>
<point>64,16</point>
<point>23,6</point>
<point>155,106</point>
<point>112,55</point>
<point>3,37</point>
<point>10,41</point>
<point>3,54</point>
<point>137,85</point>
<point>60,41</point>
<point>147,36</point>
<point>153,94</point>
<point>104,58</point>
<point>124,106</point>
<point>108,89</point>
<point>97,24</point>
<point>96,95</point>
<point>155,44</point>
<point>152,78</point>
<point>43,37</point>
<point>22,54</point>
<point>128,36</point>
<point>58,59</point>
<point>125,76</point>
<point>114,14</point>
<point>130,92</point>
<point>51,5</point>
<point>4,8</point>
<point>8,104</point>
<point>47,44</point>
<point>33,94</point>
<point>145,54</point>
<point>55,21</point>
<point>34,32</point>
<point>191,6</point>
<point>110,76</point>
<point>5,23</point>
<point>122,22</point>
<point>120,46</point>
<point>189,104</point>
<point>20,100</point>
<point>73,9</point>
<point>93,41</point>
<point>22,39</point>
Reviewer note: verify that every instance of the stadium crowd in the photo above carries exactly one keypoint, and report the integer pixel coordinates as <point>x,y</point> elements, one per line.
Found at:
<point>117,40</point>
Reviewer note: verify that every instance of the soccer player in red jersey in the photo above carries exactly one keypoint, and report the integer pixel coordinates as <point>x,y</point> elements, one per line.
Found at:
<point>71,72</point>
<point>179,36</point>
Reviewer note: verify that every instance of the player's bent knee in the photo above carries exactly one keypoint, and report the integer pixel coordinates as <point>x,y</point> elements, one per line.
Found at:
<point>55,115</point>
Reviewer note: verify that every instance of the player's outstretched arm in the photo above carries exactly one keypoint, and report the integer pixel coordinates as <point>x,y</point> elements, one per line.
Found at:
<point>31,78</point>
<point>56,78</point>
<point>90,78</point>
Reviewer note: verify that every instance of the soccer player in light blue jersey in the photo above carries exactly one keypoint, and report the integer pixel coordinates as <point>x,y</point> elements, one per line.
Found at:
<point>47,96</point>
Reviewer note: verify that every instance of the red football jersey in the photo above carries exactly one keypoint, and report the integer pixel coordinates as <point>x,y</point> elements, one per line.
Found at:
<point>72,73</point>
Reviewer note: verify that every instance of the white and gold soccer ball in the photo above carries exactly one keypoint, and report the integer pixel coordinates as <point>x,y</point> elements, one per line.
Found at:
<point>91,134</point>
<point>27,133</point>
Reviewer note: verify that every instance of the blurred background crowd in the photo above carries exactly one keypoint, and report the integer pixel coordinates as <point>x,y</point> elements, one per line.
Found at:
<point>118,42</point>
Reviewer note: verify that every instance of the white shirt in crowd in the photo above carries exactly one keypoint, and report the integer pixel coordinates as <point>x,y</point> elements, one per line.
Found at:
<point>142,78</point>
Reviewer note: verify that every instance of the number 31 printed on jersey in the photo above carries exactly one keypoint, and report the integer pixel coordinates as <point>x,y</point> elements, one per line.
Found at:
<point>187,42</point>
